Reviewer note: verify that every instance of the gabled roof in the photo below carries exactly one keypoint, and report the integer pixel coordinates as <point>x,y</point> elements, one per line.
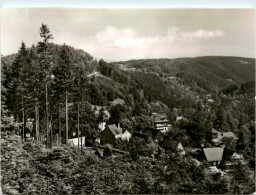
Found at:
<point>215,131</point>
<point>155,132</point>
<point>168,143</point>
<point>180,148</point>
<point>213,154</point>
<point>113,128</point>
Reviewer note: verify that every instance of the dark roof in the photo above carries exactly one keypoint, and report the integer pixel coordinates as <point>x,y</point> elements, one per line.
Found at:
<point>154,132</point>
<point>113,128</point>
<point>213,154</point>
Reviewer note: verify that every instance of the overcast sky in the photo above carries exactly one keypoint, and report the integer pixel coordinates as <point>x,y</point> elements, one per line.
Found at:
<point>122,34</point>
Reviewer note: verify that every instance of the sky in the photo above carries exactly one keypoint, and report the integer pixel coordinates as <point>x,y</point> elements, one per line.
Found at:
<point>122,34</point>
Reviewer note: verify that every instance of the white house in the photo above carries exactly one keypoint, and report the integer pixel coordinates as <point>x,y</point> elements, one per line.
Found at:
<point>74,141</point>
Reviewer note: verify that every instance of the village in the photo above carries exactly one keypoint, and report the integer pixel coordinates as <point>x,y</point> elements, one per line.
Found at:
<point>215,154</point>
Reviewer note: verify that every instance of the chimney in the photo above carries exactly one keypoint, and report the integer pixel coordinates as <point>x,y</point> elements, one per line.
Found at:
<point>118,125</point>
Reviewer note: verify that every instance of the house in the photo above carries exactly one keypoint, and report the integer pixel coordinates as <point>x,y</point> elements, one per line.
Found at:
<point>126,136</point>
<point>213,155</point>
<point>112,132</point>
<point>228,153</point>
<point>74,141</point>
<point>229,134</point>
<point>216,134</point>
<point>236,156</point>
<point>98,109</point>
<point>160,122</point>
<point>180,119</point>
<point>155,134</point>
<point>216,137</point>
<point>102,125</point>
<point>139,134</point>
<point>170,144</point>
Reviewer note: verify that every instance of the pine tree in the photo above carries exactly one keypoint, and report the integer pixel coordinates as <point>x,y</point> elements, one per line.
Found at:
<point>45,62</point>
<point>63,80</point>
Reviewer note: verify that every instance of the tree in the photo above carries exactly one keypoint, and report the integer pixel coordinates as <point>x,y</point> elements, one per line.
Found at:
<point>16,86</point>
<point>45,61</point>
<point>80,87</point>
<point>115,113</point>
<point>63,80</point>
<point>241,142</point>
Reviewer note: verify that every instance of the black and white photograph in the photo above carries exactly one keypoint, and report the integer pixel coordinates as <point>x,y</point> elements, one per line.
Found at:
<point>127,100</point>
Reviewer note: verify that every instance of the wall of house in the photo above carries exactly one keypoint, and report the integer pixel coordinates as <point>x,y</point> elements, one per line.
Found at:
<point>106,137</point>
<point>126,136</point>
<point>74,141</point>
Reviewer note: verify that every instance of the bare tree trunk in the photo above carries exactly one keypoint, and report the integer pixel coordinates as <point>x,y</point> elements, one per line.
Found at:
<point>47,125</point>
<point>66,118</point>
<point>38,122</point>
<point>78,125</point>
<point>59,126</point>
<point>17,126</point>
<point>37,125</point>
<point>51,131</point>
<point>23,120</point>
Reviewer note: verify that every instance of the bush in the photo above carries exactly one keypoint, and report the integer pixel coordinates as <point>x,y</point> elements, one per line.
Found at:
<point>107,151</point>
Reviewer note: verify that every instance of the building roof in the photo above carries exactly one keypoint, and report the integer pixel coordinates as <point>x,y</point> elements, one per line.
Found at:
<point>229,134</point>
<point>180,149</point>
<point>113,128</point>
<point>97,109</point>
<point>213,154</point>
<point>215,140</point>
<point>215,131</point>
<point>236,156</point>
<point>168,143</point>
<point>155,132</point>
<point>159,117</point>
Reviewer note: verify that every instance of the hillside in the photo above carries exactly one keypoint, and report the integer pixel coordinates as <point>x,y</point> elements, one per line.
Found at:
<point>211,73</point>
<point>29,168</point>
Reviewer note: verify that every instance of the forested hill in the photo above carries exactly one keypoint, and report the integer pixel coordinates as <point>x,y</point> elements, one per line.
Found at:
<point>210,72</point>
<point>177,82</point>
<point>77,56</point>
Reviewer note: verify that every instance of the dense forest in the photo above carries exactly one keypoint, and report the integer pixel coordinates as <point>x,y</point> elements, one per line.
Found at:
<point>58,87</point>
